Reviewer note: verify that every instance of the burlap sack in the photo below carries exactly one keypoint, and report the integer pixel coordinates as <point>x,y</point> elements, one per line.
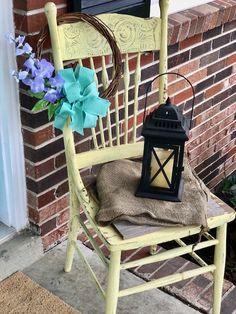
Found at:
<point>116,185</point>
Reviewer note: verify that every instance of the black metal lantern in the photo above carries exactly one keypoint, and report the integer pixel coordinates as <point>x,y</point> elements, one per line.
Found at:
<point>165,132</point>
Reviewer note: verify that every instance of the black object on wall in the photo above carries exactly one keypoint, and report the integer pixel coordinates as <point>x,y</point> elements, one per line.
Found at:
<point>139,8</point>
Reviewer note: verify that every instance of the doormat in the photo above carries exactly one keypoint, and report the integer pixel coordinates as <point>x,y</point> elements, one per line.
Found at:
<point>19,294</point>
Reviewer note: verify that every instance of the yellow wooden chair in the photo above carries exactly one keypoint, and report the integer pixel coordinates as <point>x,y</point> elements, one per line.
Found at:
<point>78,41</point>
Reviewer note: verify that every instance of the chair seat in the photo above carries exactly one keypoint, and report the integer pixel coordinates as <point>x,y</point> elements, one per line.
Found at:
<point>218,214</point>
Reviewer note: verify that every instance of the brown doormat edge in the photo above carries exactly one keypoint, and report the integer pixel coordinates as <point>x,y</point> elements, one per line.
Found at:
<point>20,294</point>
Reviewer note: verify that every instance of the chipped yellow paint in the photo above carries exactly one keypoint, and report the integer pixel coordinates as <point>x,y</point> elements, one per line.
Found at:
<point>78,41</point>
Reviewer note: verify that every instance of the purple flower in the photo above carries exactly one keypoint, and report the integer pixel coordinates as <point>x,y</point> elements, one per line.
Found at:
<point>30,64</point>
<point>19,52</point>
<point>37,85</point>
<point>15,75</point>
<point>56,81</point>
<point>52,95</point>
<point>22,75</point>
<point>19,76</point>
<point>27,48</point>
<point>45,69</point>
<point>19,40</point>
<point>27,81</point>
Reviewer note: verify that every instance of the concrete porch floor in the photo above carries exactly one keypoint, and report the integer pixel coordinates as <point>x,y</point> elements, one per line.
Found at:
<point>76,288</point>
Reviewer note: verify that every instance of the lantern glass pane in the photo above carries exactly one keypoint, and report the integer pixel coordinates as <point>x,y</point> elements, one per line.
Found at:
<point>162,162</point>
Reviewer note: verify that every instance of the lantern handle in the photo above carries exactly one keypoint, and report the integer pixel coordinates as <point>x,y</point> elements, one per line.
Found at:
<point>166,73</point>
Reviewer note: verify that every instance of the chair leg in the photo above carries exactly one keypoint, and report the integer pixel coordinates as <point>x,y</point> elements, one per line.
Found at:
<point>72,238</point>
<point>113,283</point>
<point>219,261</point>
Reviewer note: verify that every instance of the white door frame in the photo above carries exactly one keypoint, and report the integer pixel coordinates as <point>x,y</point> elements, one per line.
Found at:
<point>175,6</point>
<point>13,205</point>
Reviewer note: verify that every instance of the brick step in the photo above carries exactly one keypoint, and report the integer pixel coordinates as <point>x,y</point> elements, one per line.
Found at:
<point>195,291</point>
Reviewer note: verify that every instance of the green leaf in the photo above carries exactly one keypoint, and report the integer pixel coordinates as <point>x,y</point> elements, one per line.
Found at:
<point>51,110</point>
<point>41,104</point>
<point>36,95</point>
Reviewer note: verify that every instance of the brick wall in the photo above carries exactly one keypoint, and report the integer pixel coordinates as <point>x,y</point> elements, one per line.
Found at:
<point>202,46</point>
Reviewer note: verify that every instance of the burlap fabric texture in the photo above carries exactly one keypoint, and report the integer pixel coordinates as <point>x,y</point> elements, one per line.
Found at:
<point>116,185</point>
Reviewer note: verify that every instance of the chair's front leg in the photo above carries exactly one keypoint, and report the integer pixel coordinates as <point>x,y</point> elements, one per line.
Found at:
<point>113,282</point>
<point>219,261</point>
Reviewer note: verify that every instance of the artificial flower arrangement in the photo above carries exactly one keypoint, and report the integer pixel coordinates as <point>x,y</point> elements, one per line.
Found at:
<point>69,92</point>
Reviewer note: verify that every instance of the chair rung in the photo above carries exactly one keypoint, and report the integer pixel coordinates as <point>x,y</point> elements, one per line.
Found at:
<point>168,254</point>
<point>91,272</point>
<point>196,257</point>
<point>94,244</point>
<point>166,280</point>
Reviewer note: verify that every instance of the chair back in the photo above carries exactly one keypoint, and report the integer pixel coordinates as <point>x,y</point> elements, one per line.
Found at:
<point>118,134</point>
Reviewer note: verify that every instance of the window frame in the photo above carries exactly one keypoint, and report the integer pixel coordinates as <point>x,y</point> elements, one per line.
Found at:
<point>139,8</point>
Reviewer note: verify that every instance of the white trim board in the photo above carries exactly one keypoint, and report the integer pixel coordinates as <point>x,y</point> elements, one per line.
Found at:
<point>175,6</point>
<point>13,208</point>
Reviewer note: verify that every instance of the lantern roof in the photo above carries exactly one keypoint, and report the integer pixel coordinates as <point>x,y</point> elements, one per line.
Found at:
<point>167,121</point>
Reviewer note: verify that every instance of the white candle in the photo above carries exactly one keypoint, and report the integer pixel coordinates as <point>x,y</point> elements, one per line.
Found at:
<point>160,180</point>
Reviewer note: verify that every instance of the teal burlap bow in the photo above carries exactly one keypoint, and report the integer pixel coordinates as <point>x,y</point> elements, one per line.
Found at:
<point>81,101</point>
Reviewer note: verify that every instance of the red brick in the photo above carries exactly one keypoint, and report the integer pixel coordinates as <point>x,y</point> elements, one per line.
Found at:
<point>33,215</point>
<point>48,226</point>
<point>36,138</point>
<point>63,217</point>
<point>189,67</point>
<point>176,31</point>
<point>32,199</point>
<point>233,11</point>
<point>227,8</point>
<point>198,76</point>
<point>191,41</point>
<point>170,33</point>
<point>46,198</point>
<point>28,5</point>
<point>206,299</point>
<point>60,160</point>
<point>55,237</point>
<point>216,67</point>
<point>217,138</point>
<point>193,23</point>
<point>53,208</point>
<point>170,267</point>
<point>210,14</point>
<point>206,115</point>
<point>146,58</point>
<point>139,120</point>
<point>214,90</point>
<point>192,290</point>
<point>62,189</point>
<point>200,129</point>
<point>176,87</point>
<point>199,150</point>
<point>33,23</point>
<point>184,22</point>
<point>228,170</point>
<point>232,80</point>
<point>209,136</point>
<point>37,171</point>
<point>184,95</point>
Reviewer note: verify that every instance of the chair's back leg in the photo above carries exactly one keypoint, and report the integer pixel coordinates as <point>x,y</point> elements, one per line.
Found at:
<point>219,261</point>
<point>163,50</point>
<point>73,231</point>
<point>113,283</point>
